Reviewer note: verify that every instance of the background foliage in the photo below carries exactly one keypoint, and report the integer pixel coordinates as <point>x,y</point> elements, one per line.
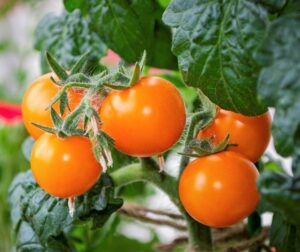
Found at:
<point>241,54</point>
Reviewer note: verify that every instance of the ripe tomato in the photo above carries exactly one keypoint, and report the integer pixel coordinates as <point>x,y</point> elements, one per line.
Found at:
<point>250,133</point>
<point>146,119</point>
<point>37,98</point>
<point>220,189</point>
<point>64,167</point>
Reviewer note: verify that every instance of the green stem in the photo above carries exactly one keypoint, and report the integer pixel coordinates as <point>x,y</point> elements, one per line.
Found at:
<point>199,234</point>
<point>147,170</point>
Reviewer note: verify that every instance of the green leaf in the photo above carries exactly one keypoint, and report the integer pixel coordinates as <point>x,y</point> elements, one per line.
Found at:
<point>284,236</point>
<point>282,192</point>
<point>274,5</point>
<point>71,5</point>
<point>130,27</point>
<point>279,80</point>
<point>26,237</point>
<point>67,37</point>
<point>214,42</point>
<point>49,217</point>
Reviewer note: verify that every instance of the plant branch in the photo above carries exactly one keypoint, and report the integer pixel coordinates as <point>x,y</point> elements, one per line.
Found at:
<point>132,211</point>
<point>143,209</point>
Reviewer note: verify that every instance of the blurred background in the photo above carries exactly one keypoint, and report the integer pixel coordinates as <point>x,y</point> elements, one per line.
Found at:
<point>19,65</point>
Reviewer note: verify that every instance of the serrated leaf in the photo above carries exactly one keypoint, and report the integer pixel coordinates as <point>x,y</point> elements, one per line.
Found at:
<point>47,218</point>
<point>214,42</point>
<point>67,37</point>
<point>282,192</point>
<point>279,81</point>
<point>130,27</point>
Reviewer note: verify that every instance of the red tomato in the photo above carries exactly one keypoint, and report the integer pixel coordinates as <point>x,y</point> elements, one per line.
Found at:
<point>64,167</point>
<point>37,98</point>
<point>146,119</point>
<point>220,189</point>
<point>251,133</point>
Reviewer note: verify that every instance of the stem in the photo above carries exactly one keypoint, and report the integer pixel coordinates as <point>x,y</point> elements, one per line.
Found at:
<point>144,172</point>
<point>199,235</point>
<point>147,170</point>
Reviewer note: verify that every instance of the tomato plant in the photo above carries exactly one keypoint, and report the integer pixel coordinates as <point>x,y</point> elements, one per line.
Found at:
<point>146,119</point>
<point>222,179</point>
<point>251,134</point>
<point>237,56</point>
<point>57,165</point>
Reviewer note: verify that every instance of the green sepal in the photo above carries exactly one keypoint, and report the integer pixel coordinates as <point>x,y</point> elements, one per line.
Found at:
<point>135,75</point>
<point>64,103</point>
<point>45,128</point>
<point>80,64</point>
<point>56,119</point>
<point>57,69</point>
<point>204,147</point>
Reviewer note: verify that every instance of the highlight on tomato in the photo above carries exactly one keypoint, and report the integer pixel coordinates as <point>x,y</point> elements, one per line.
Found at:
<point>145,119</point>
<point>64,167</point>
<point>219,190</point>
<point>251,133</point>
<point>37,98</point>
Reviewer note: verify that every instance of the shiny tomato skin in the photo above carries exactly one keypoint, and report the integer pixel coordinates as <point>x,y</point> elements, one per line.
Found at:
<point>146,119</point>
<point>64,167</point>
<point>219,190</point>
<point>251,133</point>
<point>37,98</point>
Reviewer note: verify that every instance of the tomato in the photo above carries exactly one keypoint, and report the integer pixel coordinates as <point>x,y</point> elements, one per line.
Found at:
<point>64,167</point>
<point>37,98</point>
<point>220,189</point>
<point>250,133</point>
<point>146,119</point>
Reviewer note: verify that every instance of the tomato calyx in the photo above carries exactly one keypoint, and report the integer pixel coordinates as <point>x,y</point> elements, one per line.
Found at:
<point>205,147</point>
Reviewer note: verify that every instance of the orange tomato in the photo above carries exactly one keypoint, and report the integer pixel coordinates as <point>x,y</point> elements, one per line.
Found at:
<point>220,189</point>
<point>37,98</point>
<point>146,119</point>
<point>64,167</point>
<point>251,133</point>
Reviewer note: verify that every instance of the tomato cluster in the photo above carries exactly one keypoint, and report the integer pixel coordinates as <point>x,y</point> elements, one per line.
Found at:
<point>220,189</point>
<point>66,167</point>
<point>147,119</point>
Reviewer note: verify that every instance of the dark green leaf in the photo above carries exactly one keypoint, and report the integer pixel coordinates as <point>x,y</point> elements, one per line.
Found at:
<point>47,217</point>
<point>282,192</point>
<point>274,5</point>
<point>214,42</point>
<point>279,81</point>
<point>130,27</point>
<point>67,37</point>
<point>284,236</point>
